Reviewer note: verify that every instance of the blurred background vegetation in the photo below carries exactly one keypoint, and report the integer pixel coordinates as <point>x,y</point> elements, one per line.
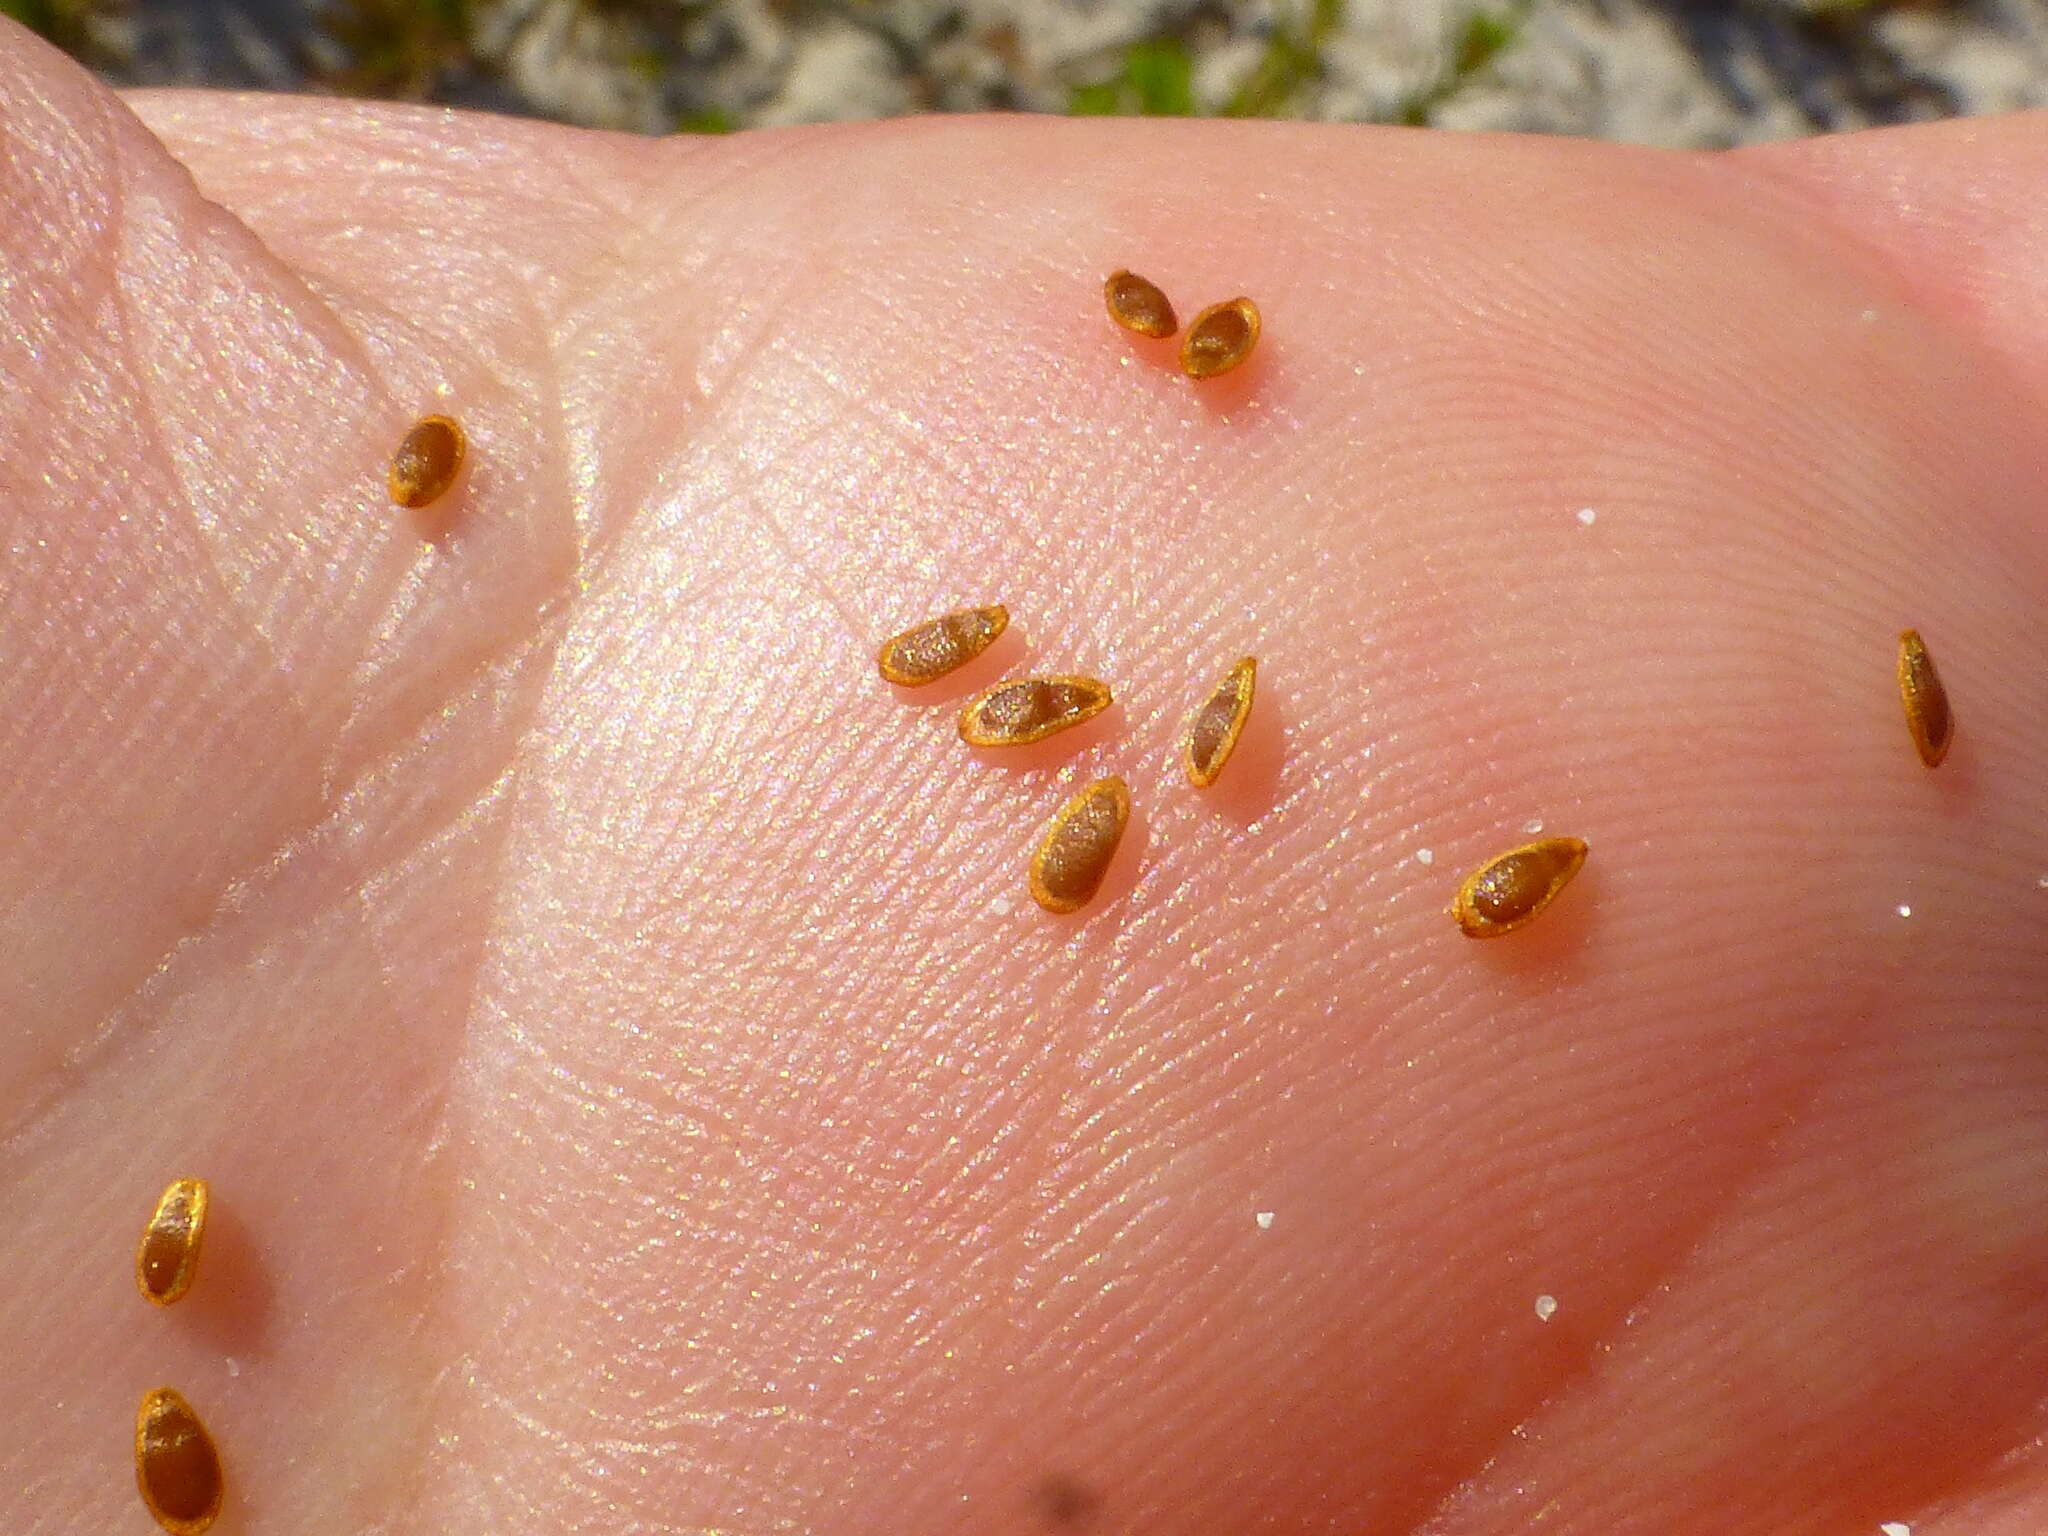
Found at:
<point>1686,72</point>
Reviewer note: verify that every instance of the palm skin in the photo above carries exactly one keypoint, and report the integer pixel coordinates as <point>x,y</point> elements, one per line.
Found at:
<point>637,1092</point>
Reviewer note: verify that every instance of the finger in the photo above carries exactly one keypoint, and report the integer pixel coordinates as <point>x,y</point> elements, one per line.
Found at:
<point>995,1186</point>
<point>224,646</point>
<point>1955,207</point>
<point>963,1199</point>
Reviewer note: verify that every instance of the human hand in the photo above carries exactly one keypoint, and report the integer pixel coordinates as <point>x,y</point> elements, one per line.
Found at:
<point>638,1093</point>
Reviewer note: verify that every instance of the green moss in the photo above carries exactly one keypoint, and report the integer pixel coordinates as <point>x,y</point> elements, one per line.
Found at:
<point>1484,37</point>
<point>1157,80</point>
<point>1292,60</point>
<point>67,23</point>
<point>397,47</point>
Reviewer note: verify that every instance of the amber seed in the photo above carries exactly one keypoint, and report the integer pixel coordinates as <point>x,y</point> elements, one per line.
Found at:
<point>1214,728</point>
<point>176,1466</point>
<point>1221,337</point>
<point>1926,701</point>
<point>1508,891</point>
<point>1074,855</point>
<point>428,461</point>
<point>926,652</point>
<point>1030,709</point>
<point>1138,305</point>
<point>169,1252</point>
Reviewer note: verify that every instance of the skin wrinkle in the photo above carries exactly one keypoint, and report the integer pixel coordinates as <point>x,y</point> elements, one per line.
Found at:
<point>1802,191</point>
<point>1623,1506</point>
<point>148,427</point>
<point>1892,234</point>
<point>34,1101</point>
<point>239,895</point>
<point>37,1104</point>
<point>187,943</point>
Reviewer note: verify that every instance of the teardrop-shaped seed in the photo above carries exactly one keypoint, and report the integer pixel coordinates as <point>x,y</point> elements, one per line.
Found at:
<point>926,652</point>
<point>176,1466</point>
<point>1221,337</point>
<point>1138,305</point>
<point>1213,729</point>
<point>428,461</point>
<point>168,1255</point>
<point>1030,709</point>
<point>1078,846</point>
<point>1920,690</point>
<point>1508,891</point>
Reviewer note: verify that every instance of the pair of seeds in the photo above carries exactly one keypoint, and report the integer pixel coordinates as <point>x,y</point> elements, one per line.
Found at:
<point>1220,338</point>
<point>1081,841</point>
<point>177,1469</point>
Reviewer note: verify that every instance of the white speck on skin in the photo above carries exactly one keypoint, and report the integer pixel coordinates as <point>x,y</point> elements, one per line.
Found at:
<point>1546,1308</point>
<point>234,1366</point>
<point>1587,517</point>
<point>2042,882</point>
<point>1904,910</point>
<point>1264,1219</point>
<point>1896,1528</point>
<point>1002,906</point>
<point>1867,317</point>
<point>1533,825</point>
<point>1424,856</point>
<point>1125,359</point>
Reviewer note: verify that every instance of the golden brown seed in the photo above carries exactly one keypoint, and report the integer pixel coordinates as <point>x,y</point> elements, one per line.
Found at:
<point>926,652</point>
<point>1221,337</point>
<point>1074,855</point>
<point>428,461</point>
<point>1030,709</point>
<point>176,1466</point>
<point>1139,306</point>
<point>169,1252</point>
<point>1508,891</point>
<point>1926,701</point>
<point>1214,728</point>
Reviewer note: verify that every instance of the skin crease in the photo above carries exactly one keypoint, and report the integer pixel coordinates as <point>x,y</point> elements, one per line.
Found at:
<point>638,1092</point>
